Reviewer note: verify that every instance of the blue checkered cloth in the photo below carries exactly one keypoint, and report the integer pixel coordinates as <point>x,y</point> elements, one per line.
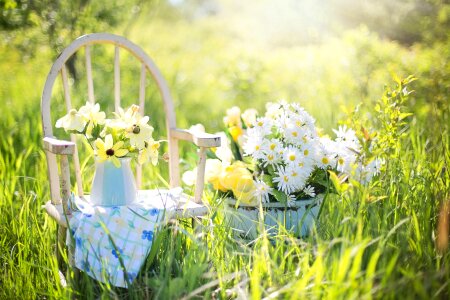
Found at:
<point>112,243</point>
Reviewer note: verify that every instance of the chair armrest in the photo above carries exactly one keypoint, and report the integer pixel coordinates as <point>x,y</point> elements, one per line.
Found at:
<point>56,146</point>
<point>199,139</point>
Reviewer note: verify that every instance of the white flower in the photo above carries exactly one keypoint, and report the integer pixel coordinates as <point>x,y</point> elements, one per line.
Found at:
<point>262,126</point>
<point>139,133</point>
<point>72,121</point>
<point>197,128</point>
<point>290,201</point>
<point>249,116</point>
<point>262,191</point>
<point>125,119</point>
<point>190,177</point>
<point>254,145</point>
<point>273,110</point>
<point>224,152</point>
<point>233,117</point>
<point>92,115</point>
<point>309,151</point>
<point>309,190</point>
<point>149,152</point>
<point>289,179</point>
<point>347,137</point>
<point>291,155</point>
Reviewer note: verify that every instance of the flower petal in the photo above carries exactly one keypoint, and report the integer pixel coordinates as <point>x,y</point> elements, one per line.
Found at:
<point>108,141</point>
<point>118,145</point>
<point>99,145</point>
<point>120,152</point>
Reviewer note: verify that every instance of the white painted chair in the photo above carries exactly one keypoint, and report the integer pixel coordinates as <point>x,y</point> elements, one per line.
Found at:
<point>60,186</point>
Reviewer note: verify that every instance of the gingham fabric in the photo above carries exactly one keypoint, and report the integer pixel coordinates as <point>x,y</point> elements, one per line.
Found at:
<point>112,243</point>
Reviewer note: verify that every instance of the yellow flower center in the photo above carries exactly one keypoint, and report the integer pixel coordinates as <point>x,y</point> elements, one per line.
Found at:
<point>306,152</point>
<point>257,147</point>
<point>272,146</point>
<point>260,123</point>
<point>285,178</point>
<point>292,157</point>
<point>294,134</point>
<point>270,157</point>
<point>325,160</point>
<point>301,164</point>
<point>341,161</point>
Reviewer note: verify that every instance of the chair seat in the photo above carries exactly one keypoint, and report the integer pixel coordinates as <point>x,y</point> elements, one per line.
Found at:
<point>185,208</point>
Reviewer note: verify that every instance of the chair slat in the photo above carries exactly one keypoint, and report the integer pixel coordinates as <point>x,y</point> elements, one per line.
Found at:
<point>142,90</point>
<point>76,159</point>
<point>90,82</point>
<point>141,112</point>
<point>117,78</point>
<point>66,87</point>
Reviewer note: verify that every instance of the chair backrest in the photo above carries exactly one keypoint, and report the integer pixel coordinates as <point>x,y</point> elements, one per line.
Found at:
<point>147,67</point>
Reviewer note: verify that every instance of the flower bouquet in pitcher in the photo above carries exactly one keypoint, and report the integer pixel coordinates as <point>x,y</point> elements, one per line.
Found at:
<point>115,142</point>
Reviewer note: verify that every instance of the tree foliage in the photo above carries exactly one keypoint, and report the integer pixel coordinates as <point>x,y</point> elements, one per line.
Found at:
<point>27,23</point>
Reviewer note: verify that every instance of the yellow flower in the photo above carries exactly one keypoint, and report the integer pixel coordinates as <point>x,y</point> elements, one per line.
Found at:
<point>235,132</point>
<point>108,151</point>
<point>213,174</point>
<point>239,180</point>
<point>149,152</point>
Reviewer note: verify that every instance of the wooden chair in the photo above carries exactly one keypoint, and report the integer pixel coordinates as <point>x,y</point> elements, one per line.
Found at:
<point>60,186</point>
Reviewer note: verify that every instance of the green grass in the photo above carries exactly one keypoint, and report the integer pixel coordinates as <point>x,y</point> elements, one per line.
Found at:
<point>370,242</point>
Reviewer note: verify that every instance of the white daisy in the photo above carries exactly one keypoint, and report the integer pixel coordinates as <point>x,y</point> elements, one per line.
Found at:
<point>309,190</point>
<point>284,180</point>
<point>254,146</point>
<point>262,125</point>
<point>290,201</point>
<point>262,191</point>
<point>291,155</point>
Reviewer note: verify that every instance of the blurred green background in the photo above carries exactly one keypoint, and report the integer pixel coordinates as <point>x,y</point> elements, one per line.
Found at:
<point>331,56</point>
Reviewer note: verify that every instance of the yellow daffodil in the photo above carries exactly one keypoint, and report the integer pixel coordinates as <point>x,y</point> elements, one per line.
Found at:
<point>149,152</point>
<point>107,150</point>
<point>213,173</point>
<point>239,180</point>
<point>72,121</point>
<point>233,117</point>
<point>235,132</point>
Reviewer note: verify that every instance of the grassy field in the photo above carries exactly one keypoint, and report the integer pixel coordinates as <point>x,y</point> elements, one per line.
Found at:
<point>376,241</point>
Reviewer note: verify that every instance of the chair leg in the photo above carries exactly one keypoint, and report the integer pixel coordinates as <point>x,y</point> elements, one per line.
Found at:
<point>60,246</point>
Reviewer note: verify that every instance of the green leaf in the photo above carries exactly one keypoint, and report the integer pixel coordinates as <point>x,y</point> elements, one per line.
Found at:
<point>280,196</point>
<point>336,182</point>
<point>404,115</point>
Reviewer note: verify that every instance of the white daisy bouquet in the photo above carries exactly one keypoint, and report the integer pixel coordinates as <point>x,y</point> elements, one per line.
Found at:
<point>280,157</point>
<point>128,134</point>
